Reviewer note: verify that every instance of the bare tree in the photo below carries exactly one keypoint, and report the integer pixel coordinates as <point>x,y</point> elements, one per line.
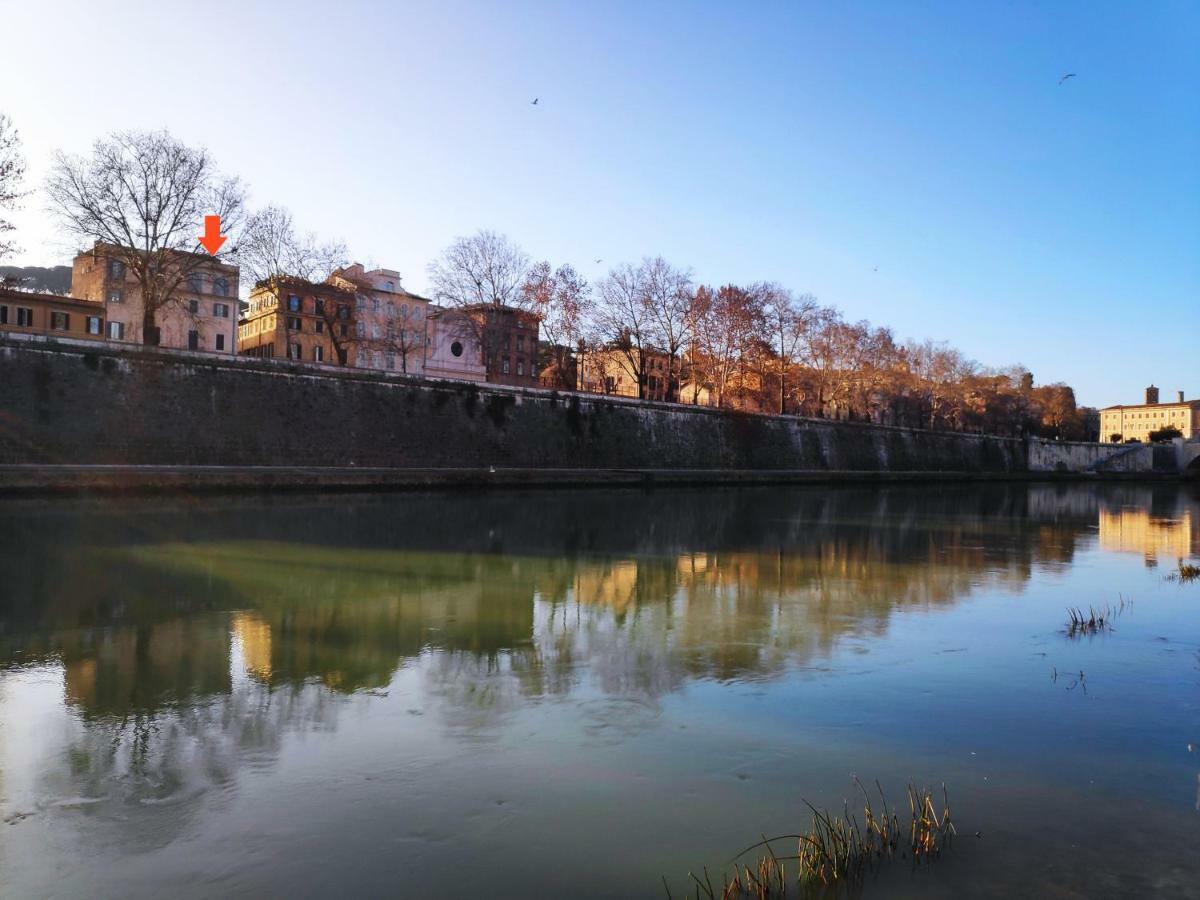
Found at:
<point>624,320</point>
<point>12,174</point>
<point>787,328</point>
<point>667,300</point>
<point>271,248</point>
<point>558,296</point>
<point>726,323</point>
<point>146,195</point>
<point>475,273</point>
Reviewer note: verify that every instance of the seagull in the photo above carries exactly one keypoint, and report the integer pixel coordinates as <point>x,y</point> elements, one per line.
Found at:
<point>1065,77</point>
<point>599,261</point>
<point>534,101</point>
<point>876,269</point>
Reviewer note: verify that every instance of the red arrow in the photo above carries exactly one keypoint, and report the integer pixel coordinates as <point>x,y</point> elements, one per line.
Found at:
<point>211,239</point>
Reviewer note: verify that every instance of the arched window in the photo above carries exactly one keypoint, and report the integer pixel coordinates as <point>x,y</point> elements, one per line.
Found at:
<point>221,286</point>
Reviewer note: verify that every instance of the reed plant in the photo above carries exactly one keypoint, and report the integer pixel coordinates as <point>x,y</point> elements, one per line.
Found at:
<point>1094,621</point>
<point>836,850</point>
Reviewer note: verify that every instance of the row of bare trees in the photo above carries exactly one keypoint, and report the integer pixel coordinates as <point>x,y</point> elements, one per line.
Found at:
<point>756,347</point>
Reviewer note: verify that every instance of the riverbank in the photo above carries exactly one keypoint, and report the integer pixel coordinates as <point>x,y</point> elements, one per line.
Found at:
<point>106,479</point>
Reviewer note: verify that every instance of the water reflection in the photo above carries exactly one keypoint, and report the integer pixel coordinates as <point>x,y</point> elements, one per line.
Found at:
<point>191,639</point>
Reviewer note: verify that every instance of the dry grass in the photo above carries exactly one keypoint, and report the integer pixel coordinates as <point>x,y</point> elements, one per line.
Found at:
<point>1185,573</point>
<point>1094,621</point>
<point>836,850</point>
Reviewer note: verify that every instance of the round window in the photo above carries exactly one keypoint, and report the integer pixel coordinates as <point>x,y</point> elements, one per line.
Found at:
<point>456,348</point>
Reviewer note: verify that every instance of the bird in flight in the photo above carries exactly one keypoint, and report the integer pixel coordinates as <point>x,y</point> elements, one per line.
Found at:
<point>599,261</point>
<point>1065,77</point>
<point>534,101</point>
<point>876,269</point>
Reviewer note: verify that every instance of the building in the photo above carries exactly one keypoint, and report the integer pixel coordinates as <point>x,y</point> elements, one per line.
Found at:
<point>389,322</point>
<point>454,350</point>
<point>51,315</point>
<point>613,370</point>
<point>200,315</point>
<point>1135,423</point>
<point>296,319</point>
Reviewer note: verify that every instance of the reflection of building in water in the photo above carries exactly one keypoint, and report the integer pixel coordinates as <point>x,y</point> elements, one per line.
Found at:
<point>1137,530</point>
<point>252,636</point>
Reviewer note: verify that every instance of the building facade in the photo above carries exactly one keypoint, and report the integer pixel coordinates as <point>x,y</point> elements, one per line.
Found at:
<point>612,370</point>
<point>51,315</point>
<point>454,350</point>
<point>389,322</point>
<point>201,315</point>
<point>1136,423</point>
<point>291,318</point>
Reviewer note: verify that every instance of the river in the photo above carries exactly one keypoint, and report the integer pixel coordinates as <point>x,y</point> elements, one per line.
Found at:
<point>581,693</point>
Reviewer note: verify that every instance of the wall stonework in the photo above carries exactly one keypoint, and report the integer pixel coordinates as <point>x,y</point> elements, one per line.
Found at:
<point>70,403</point>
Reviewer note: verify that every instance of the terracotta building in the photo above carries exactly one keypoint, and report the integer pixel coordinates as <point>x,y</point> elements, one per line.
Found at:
<point>1134,423</point>
<point>292,318</point>
<point>202,314</point>
<point>611,370</point>
<point>389,322</point>
<point>50,314</point>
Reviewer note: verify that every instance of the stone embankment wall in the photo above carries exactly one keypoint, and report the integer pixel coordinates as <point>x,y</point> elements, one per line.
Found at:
<point>1071,456</point>
<point>78,403</point>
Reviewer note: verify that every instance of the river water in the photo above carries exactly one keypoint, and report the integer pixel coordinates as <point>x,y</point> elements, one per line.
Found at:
<point>551,694</point>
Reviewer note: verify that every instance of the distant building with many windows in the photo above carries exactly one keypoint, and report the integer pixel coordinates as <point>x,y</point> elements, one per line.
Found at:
<point>201,315</point>
<point>291,318</point>
<point>1135,423</point>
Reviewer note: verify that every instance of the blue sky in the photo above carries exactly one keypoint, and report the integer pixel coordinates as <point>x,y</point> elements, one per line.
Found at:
<point>808,143</point>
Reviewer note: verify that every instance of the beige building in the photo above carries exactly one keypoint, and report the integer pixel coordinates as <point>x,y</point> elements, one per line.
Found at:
<point>611,370</point>
<point>389,331</point>
<point>51,315</point>
<point>1135,423</point>
<point>202,315</point>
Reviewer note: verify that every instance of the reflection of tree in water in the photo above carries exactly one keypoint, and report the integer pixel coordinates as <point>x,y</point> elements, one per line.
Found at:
<point>139,779</point>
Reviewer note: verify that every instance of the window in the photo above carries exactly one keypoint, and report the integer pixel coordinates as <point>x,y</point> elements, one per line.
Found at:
<point>93,325</point>
<point>345,330</point>
<point>293,303</point>
<point>360,328</point>
<point>319,327</point>
<point>114,295</point>
<point>194,307</point>
<point>59,321</point>
<point>343,313</point>
<point>375,330</point>
<point>318,354</point>
<point>295,323</point>
<point>391,360</point>
<point>521,343</point>
<point>193,340</point>
<point>220,342</point>
<point>390,286</point>
<point>116,268</point>
<point>520,367</point>
<point>195,284</point>
<point>319,305</point>
<point>504,366</point>
<point>456,348</point>
<point>116,331</point>
<point>293,351</point>
<point>3,315</point>
<point>391,309</point>
<point>374,304</point>
<point>221,287</point>
<point>221,310</point>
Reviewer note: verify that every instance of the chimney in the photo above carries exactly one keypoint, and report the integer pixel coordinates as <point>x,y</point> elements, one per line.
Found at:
<point>1151,395</point>
<point>1181,396</point>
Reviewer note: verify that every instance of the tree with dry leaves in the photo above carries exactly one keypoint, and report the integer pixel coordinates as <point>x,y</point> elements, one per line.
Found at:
<point>144,195</point>
<point>559,297</point>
